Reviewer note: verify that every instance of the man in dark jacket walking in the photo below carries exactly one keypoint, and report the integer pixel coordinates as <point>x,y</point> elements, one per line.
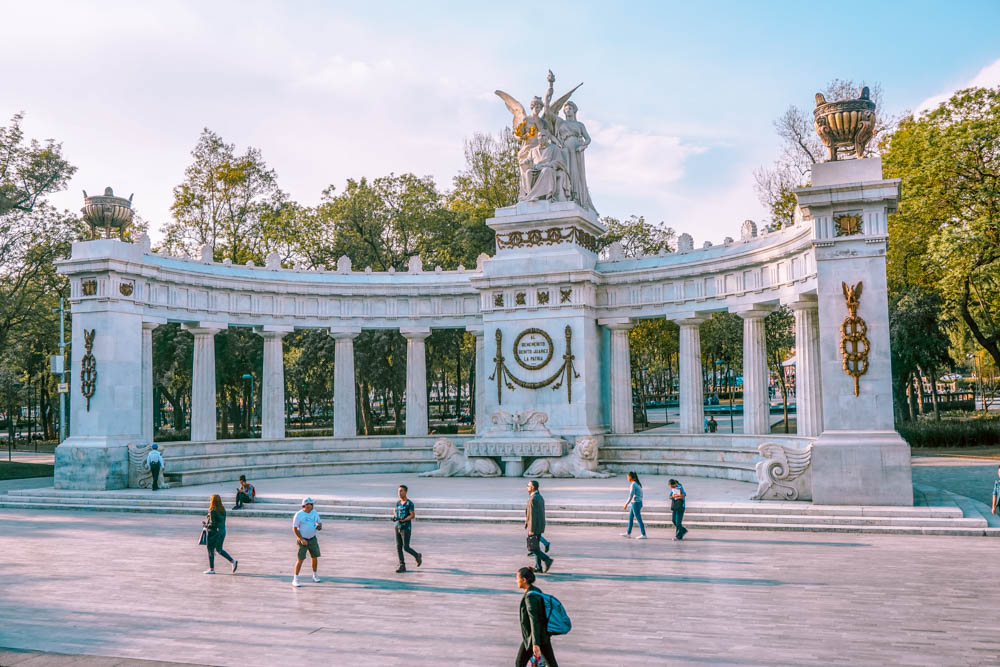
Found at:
<point>535,640</point>
<point>534,522</point>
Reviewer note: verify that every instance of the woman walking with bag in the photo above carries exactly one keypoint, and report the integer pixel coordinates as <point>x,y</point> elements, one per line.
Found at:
<point>635,500</point>
<point>215,533</point>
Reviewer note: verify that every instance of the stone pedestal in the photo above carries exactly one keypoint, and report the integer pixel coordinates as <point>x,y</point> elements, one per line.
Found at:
<point>514,448</point>
<point>859,458</point>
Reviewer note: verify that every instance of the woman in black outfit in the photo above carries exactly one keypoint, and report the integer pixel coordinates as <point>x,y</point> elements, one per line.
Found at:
<point>215,524</point>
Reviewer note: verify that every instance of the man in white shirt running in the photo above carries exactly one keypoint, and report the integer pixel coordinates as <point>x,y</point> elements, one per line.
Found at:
<point>154,461</point>
<point>305,524</point>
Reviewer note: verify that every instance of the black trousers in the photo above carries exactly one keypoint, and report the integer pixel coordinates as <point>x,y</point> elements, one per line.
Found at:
<point>524,655</point>
<point>539,555</point>
<point>242,498</point>
<point>403,541</point>
<point>154,468</point>
<point>214,543</point>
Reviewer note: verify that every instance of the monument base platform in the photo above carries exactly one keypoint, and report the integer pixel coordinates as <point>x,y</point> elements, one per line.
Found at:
<point>861,468</point>
<point>513,449</point>
<point>93,464</point>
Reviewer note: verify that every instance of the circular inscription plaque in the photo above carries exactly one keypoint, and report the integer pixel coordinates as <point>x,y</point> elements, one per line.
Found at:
<point>533,349</point>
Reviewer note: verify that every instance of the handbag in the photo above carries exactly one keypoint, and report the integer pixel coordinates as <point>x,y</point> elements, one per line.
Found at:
<point>532,543</point>
<point>204,536</point>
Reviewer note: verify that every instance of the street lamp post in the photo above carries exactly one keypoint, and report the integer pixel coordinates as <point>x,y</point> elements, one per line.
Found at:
<point>248,376</point>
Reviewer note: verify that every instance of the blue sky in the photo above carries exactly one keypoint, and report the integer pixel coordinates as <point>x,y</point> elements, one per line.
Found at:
<point>679,97</point>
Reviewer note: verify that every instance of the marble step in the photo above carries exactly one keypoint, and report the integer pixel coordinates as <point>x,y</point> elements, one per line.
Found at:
<point>228,474</point>
<point>479,515</point>
<point>743,472</point>
<point>196,462</point>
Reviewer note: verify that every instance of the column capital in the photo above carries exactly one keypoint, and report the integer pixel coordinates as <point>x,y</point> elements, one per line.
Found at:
<point>148,324</point>
<point>271,331</point>
<point>415,333</point>
<point>205,328</point>
<point>803,302</point>
<point>616,323</point>
<point>690,318</point>
<point>477,330</point>
<point>753,311</point>
<point>342,333</point>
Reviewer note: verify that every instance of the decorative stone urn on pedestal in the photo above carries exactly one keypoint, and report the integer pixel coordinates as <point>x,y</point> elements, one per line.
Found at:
<point>107,211</point>
<point>846,124</point>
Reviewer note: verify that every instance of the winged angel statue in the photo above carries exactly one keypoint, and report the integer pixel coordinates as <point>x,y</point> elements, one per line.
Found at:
<point>550,161</point>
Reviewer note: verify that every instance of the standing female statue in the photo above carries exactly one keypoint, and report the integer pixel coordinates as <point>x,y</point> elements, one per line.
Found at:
<point>572,134</point>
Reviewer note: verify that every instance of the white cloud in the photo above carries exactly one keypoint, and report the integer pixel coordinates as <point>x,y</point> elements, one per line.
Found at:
<point>623,158</point>
<point>987,77</point>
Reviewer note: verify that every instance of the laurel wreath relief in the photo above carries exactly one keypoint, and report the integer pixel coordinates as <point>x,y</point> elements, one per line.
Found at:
<point>505,377</point>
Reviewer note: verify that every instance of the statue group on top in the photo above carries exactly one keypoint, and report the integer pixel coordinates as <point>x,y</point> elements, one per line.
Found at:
<point>550,161</point>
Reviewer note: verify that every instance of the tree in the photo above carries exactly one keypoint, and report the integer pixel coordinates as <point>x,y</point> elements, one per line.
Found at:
<point>636,236</point>
<point>227,201</point>
<point>801,149</point>
<point>948,220</point>
<point>919,344</point>
<point>28,171</point>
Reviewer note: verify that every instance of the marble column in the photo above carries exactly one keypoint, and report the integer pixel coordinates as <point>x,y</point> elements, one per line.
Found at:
<point>621,375</point>
<point>478,332</point>
<point>272,386</point>
<point>345,414</point>
<point>808,385</point>
<point>416,379</point>
<point>691,380</point>
<point>147,380</point>
<point>203,413</point>
<point>756,412</point>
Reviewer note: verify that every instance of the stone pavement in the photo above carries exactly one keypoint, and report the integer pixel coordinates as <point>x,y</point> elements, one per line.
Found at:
<point>968,476</point>
<point>130,585</point>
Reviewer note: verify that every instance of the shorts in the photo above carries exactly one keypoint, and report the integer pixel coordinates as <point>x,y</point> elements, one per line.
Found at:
<point>311,545</point>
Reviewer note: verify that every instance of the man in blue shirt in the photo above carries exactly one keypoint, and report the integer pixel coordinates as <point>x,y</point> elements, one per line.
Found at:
<point>677,496</point>
<point>996,491</point>
<point>403,518</point>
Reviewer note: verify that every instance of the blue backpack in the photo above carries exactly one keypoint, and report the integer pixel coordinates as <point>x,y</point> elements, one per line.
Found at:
<point>556,618</point>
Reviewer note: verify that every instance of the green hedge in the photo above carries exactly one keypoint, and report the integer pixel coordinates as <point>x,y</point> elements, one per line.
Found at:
<point>975,431</point>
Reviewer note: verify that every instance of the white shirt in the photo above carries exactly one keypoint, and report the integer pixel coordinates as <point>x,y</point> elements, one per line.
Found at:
<point>306,522</point>
<point>154,457</point>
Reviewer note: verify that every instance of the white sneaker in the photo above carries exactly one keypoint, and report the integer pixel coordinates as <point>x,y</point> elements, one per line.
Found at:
<point>641,537</point>
<point>625,534</point>
<point>295,582</point>
<point>209,571</point>
<point>316,579</point>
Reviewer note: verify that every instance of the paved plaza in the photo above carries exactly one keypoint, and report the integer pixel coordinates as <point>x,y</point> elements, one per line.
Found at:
<point>130,585</point>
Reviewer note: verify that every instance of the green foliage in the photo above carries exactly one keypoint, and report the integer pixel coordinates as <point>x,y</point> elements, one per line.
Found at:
<point>28,170</point>
<point>637,237</point>
<point>227,201</point>
<point>978,431</point>
<point>948,220</point>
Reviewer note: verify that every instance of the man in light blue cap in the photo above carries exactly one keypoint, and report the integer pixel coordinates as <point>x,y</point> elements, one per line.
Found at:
<point>154,461</point>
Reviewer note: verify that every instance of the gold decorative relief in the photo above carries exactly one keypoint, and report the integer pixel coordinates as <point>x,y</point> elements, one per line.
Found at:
<point>88,367</point>
<point>519,299</point>
<point>89,287</point>
<point>126,289</point>
<point>543,297</point>
<point>847,225</point>
<point>854,345</point>
<point>498,300</point>
<point>565,294</point>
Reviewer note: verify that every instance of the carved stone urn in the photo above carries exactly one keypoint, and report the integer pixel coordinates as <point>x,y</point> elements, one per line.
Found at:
<point>846,124</point>
<point>107,211</point>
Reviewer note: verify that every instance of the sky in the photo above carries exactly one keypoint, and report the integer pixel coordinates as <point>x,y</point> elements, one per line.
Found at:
<point>679,97</point>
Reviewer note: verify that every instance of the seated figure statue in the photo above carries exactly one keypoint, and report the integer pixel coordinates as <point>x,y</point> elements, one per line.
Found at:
<point>553,181</point>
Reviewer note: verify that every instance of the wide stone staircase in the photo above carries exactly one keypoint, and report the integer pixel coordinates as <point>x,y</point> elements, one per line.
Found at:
<point>781,516</point>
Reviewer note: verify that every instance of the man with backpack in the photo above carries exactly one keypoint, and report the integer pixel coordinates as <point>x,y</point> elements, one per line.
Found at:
<point>538,612</point>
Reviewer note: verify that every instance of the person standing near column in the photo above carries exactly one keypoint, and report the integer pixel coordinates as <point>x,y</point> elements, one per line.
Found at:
<point>215,525</point>
<point>677,496</point>
<point>635,512</point>
<point>403,518</point>
<point>154,461</point>
<point>305,524</point>
<point>534,522</point>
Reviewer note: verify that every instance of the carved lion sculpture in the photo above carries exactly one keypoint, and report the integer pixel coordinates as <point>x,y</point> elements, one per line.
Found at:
<point>581,462</point>
<point>453,464</point>
<point>139,475</point>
